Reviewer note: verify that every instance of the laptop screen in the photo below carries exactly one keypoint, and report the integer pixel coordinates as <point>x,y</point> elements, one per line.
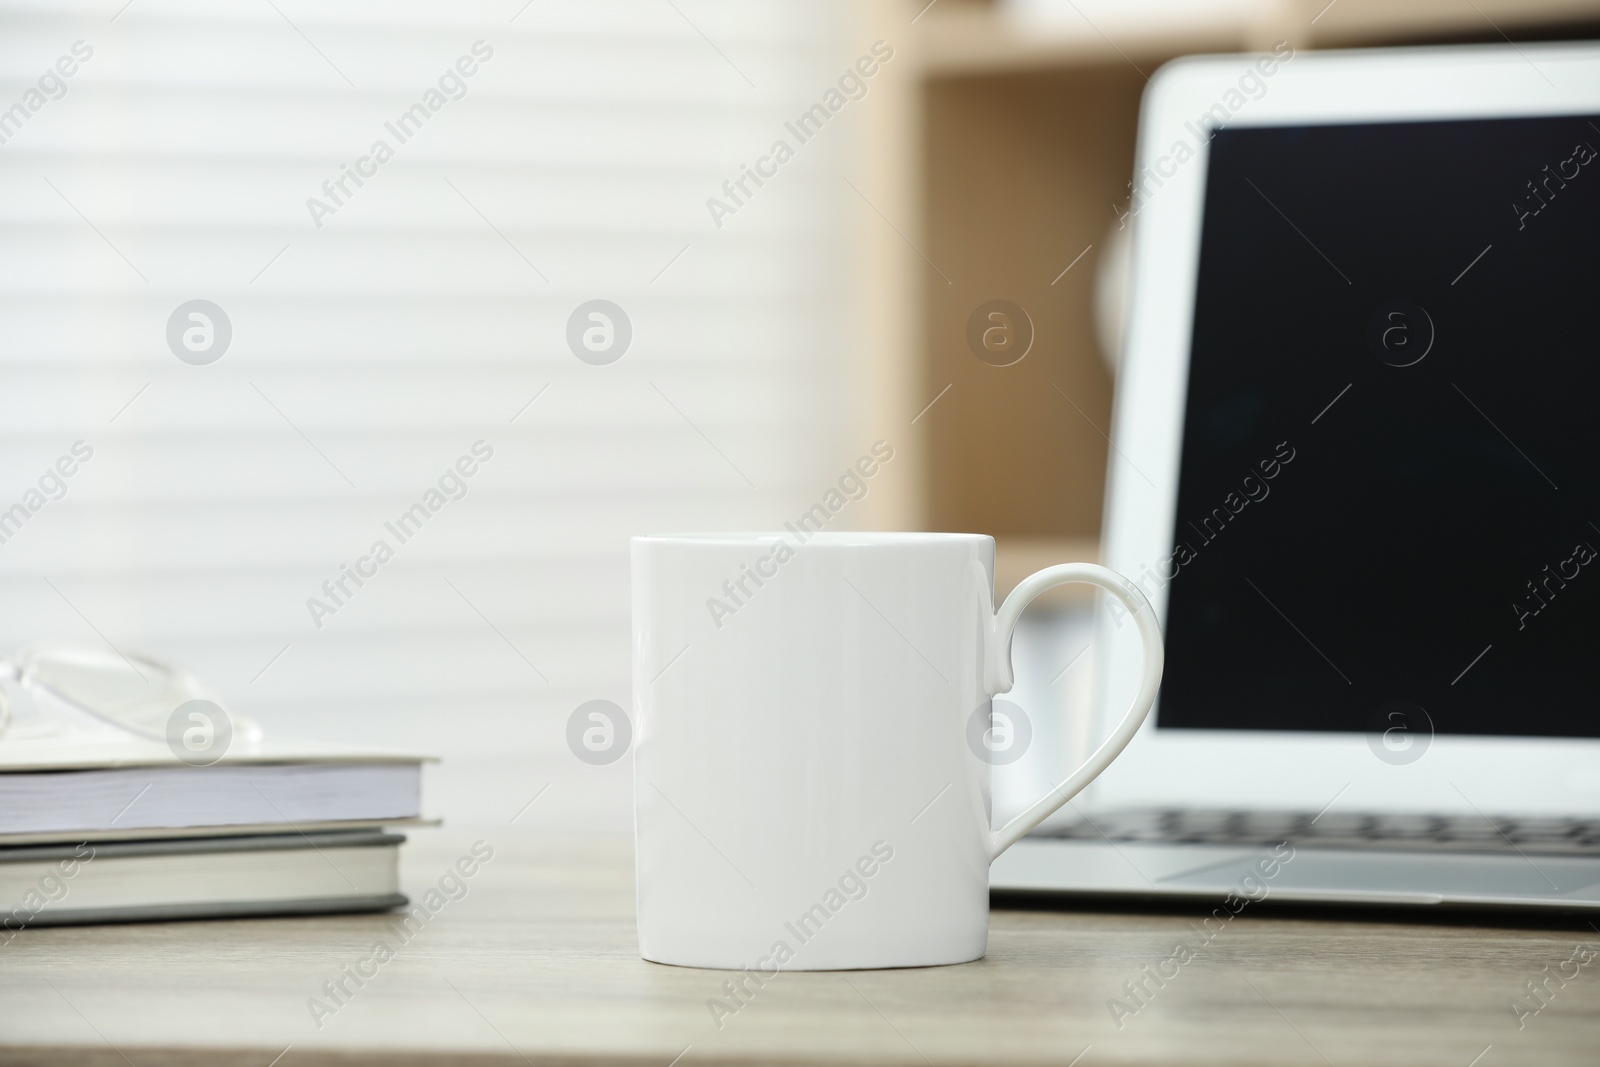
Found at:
<point>1390,481</point>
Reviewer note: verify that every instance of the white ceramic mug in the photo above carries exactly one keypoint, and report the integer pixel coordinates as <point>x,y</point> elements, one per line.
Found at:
<point>805,794</point>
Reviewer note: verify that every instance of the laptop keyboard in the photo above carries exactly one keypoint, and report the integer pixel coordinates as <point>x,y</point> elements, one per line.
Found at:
<point>1472,833</point>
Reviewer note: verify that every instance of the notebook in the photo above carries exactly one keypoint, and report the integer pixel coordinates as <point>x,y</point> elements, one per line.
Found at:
<point>127,881</point>
<point>111,785</point>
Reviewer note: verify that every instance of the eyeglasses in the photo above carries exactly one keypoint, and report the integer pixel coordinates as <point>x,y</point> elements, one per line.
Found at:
<point>136,694</point>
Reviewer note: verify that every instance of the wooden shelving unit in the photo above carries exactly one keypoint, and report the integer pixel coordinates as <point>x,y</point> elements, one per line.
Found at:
<point>1004,145</point>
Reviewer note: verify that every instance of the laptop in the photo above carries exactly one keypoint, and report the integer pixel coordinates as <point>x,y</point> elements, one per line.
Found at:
<point>1356,469</point>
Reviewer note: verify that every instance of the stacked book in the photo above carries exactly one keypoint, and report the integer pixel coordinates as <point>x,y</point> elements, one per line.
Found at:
<point>118,829</point>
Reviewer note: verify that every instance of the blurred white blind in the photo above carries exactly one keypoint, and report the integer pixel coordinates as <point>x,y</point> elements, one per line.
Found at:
<point>425,314</point>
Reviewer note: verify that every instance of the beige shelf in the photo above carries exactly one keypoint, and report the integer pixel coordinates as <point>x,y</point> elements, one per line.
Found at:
<point>1376,22</point>
<point>978,38</point>
<point>1017,557</point>
<point>1001,148</point>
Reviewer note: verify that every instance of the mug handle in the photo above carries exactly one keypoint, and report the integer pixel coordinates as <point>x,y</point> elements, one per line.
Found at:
<point>998,678</point>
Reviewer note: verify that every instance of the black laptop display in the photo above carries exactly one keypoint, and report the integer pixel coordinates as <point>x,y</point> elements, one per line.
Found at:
<point>1390,441</point>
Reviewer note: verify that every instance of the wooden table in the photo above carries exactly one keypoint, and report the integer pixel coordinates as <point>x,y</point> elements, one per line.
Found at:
<point>537,964</point>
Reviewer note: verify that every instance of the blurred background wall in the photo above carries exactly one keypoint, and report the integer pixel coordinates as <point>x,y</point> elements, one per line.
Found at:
<point>424,318</point>
<point>379,330</point>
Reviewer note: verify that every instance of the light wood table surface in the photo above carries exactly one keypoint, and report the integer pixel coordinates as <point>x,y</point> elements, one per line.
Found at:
<point>537,964</point>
